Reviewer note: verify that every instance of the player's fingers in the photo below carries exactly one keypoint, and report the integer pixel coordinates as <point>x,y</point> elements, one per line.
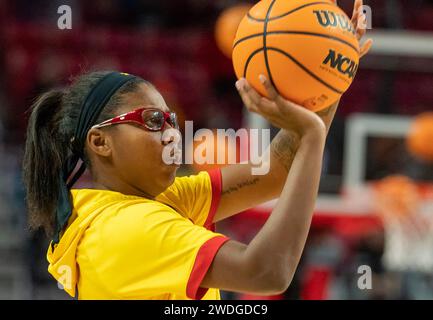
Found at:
<point>366,47</point>
<point>270,89</point>
<point>253,94</point>
<point>361,26</point>
<point>249,96</point>
<point>246,98</point>
<point>358,4</point>
<point>357,8</point>
<point>268,107</point>
<point>278,103</point>
<point>254,102</point>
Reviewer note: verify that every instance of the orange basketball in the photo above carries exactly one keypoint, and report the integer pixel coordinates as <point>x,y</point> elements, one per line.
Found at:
<point>307,48</point>
<point>227,25</point>
<point>396,194</point>
<point>420,138</point>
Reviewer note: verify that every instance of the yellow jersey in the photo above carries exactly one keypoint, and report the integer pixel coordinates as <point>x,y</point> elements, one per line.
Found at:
<point>119,246</point>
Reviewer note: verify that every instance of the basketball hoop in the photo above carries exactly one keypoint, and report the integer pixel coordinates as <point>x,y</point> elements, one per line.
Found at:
<point>406,209</point>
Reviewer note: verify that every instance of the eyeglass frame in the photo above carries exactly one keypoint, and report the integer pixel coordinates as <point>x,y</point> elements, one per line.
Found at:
<point>136,116</point>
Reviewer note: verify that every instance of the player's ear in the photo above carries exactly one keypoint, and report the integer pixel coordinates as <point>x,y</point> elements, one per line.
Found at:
<point>99,142</point>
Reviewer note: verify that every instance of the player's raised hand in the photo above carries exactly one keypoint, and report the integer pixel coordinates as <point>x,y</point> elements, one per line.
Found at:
<point>359,21</point>
<point>277,110</point>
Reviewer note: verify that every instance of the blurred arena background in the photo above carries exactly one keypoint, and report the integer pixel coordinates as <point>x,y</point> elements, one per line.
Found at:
<point>172,44</point>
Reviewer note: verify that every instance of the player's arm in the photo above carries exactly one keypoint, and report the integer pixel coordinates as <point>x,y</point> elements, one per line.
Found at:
<point>267,264</point>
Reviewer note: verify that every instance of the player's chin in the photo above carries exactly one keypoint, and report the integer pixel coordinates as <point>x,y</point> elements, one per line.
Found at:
<point>170,170</point>
<point>169,174</point>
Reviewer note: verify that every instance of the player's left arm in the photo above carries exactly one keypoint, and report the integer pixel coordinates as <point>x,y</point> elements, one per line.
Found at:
<point>241,189</point>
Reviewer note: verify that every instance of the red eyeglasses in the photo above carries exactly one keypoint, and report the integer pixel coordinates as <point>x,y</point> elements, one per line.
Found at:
<point>152,119</point>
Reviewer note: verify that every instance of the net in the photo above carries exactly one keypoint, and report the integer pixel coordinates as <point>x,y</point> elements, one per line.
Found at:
<point>406,209</point>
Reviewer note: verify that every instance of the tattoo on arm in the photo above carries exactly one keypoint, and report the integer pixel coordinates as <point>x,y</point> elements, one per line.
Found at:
<point>285,143</point>
<point>284,147</point>
<point>240,185</point>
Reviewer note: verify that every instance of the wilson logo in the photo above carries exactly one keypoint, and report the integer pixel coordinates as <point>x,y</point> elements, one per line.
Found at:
<point>343,64</point>
<point>331,19</point>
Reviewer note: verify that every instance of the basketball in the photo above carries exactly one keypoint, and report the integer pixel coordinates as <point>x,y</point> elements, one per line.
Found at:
<point>308,50</point>
<point>420,137</point>
<point>396,194</point>
<point>226,26</point>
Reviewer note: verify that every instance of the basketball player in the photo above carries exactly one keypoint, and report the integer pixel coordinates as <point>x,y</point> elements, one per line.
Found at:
<point>142,233</point>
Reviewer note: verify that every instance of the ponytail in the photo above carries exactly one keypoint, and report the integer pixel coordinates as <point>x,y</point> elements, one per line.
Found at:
<point>44,156</point>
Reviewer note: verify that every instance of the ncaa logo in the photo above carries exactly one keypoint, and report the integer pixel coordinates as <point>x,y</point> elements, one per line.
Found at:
<point>342,64</point>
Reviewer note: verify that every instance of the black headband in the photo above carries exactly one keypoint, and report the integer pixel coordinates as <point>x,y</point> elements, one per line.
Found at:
<point>92,107</point>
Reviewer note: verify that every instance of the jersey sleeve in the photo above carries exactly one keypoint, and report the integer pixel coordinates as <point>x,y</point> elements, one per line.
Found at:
<point>196,197</point>
<point>144,255</point>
